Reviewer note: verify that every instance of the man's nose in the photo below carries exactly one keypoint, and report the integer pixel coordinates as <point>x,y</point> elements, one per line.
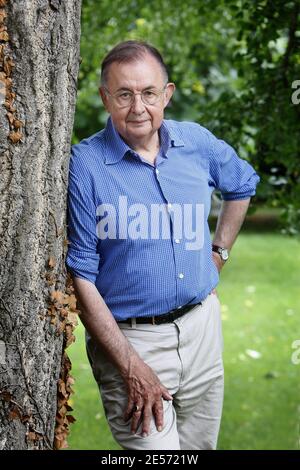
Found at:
<point>137,106</point>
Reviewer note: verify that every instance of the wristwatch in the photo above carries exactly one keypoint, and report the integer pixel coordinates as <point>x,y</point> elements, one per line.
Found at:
<point>223,252</point>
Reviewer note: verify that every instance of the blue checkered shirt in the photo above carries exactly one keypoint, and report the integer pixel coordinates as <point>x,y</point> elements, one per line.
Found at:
<point>149,275</point>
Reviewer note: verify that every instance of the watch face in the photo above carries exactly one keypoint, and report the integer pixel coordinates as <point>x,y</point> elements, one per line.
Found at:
<point>224,254</point>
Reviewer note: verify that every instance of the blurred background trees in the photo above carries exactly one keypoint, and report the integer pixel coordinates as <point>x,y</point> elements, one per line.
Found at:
<point>234,63</point>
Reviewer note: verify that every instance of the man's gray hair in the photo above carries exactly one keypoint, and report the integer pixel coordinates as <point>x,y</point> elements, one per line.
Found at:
<point>130,51</point>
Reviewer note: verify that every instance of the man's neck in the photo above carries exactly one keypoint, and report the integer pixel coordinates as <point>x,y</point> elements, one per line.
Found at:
<point>147,149</point>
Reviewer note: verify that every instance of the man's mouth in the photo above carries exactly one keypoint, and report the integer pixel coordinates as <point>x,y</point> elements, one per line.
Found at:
<point>137,122</point>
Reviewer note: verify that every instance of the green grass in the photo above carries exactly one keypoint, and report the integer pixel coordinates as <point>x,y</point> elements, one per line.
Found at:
<point>260,296</point>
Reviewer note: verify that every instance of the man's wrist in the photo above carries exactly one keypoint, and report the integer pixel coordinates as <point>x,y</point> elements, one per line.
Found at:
<point>221,251</point>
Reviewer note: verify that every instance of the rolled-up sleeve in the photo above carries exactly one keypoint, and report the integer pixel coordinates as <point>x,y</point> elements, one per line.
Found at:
<point>82,258</point>
<point>233,176</point>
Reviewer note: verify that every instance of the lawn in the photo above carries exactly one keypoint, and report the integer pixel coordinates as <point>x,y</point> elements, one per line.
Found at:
<point>260,296</point>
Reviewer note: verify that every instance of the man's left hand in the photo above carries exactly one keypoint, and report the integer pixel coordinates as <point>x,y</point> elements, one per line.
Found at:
<point>218,261</point>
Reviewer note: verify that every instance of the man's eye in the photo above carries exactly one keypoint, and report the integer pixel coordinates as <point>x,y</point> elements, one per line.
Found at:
<point>125,95</point>
<point>149,93</point>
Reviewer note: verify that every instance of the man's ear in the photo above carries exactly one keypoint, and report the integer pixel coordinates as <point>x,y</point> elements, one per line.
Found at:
<point>170,88</point>
<point>104,97</point>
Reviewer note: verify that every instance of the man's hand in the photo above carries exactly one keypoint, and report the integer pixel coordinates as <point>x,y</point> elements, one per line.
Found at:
<point>143,386</point>
<point>218,261</point>
<point>145,394</point>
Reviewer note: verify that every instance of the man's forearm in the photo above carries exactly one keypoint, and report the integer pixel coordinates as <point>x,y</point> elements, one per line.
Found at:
<point>230,220</point>
<point>100,323</point>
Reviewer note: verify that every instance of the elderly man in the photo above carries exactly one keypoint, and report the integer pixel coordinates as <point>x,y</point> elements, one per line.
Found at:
<point>142,260</point>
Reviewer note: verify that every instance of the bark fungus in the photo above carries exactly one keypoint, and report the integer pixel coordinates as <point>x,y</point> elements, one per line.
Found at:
<point>6,66</point>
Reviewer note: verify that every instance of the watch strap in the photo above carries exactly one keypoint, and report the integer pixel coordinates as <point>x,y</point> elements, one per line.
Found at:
<point>223,252</point>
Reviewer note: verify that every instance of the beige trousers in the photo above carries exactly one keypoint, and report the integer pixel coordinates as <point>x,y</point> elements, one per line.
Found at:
<point>187,357</point>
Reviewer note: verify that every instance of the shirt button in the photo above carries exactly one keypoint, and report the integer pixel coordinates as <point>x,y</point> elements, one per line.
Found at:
<point>177,240</point>
<point>180,306</point>
<point>169,205</point>
<point>181,276</point>
<point>157,171</point>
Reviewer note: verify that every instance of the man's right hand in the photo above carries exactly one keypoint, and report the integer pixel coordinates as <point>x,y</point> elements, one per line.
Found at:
<point>145,394</point>
<point>143,386</point>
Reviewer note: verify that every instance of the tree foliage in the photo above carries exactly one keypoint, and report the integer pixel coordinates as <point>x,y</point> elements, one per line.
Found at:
<point>233,62</point>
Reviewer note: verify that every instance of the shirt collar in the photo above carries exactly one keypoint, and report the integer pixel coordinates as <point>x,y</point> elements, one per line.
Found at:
<point>116,147</point>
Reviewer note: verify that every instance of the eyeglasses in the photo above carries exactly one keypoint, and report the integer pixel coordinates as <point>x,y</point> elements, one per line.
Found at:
<point>124,99</point>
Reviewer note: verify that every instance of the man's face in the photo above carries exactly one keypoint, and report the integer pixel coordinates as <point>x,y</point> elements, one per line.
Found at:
<point>138,122</point>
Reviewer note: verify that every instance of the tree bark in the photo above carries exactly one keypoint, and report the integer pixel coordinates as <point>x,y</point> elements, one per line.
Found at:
<point>39,59</point>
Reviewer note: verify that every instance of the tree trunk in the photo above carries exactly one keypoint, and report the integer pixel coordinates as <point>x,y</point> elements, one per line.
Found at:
<point>39,59</point>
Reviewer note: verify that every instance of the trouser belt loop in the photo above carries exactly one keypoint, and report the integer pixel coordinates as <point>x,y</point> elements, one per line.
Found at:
<point>133,323</point>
